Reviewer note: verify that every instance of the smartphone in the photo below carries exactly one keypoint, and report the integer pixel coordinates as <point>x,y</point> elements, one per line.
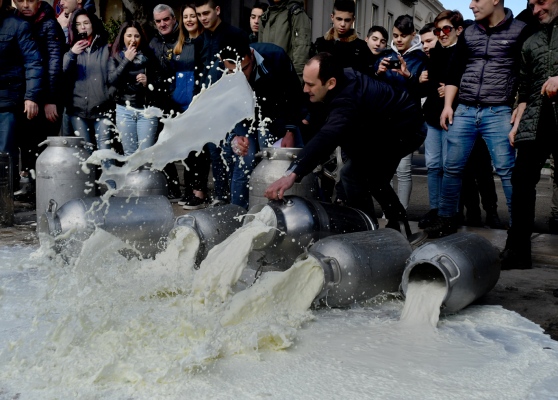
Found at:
<point>82,35</point>
<point>394,64</point>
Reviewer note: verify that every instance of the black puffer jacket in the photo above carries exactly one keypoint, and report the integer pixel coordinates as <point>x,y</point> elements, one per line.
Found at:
<point>20,63</point>
<point>539,60</point>
<point>122,74</point>
<point>363,115</point>
<point>351,51</point>
<point>486,62</point>
<point>49,36</point>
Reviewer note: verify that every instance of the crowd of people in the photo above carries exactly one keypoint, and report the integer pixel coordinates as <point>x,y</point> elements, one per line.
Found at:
<point>478,93</point>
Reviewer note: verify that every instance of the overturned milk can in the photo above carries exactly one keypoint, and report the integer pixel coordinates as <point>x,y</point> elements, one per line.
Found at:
<point>358,266</point>
<point>142,222</point>
<point>212,225</point>
<point>59,172</point>
<point>275,161</point>
<point>467,263</point>
<point>298,223</point>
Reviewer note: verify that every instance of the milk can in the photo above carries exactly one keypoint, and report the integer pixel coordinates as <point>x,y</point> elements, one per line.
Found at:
<point>6,191</point>
<point>212,225</point>
<point>275,161</point>
<point>358,266</point>
<point>467,263</point>
<point>142,222</point>
<point>143,182</point>
<point>59,173</point>
<point>299,222</point>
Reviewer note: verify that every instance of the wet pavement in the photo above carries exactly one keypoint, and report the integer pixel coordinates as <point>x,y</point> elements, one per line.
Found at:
<point>533,293</point>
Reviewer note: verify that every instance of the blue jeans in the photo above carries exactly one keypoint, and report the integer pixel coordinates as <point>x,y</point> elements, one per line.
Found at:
<point>7,131</point>
<point>242,167</point>
<point>136,131</point>
<point>101,126</point>
<point>435,149</point>
<point>469,123</point>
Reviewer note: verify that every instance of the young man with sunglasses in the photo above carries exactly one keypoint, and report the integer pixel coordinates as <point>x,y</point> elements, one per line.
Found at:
<point>484,70</point>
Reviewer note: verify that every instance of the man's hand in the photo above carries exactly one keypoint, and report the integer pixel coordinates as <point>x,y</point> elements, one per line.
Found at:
<point>31,109</point>
<point>447,115</point>
<point>63,19</point>
<point>288,140</point>
<point>515,119</point>
<point>239,145</point>
<point>550,87</point>
<point>51,112</point>
<point>277,189</point>
<point>423,77</point>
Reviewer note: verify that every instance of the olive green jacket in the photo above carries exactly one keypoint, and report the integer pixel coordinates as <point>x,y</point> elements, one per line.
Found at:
<point>287,25</point>
<point>539,61</point>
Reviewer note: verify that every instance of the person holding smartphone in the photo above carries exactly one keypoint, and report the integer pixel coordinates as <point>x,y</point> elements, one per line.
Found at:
<point>131,66</point>
<point>85,67</point>
<point>401,67</point>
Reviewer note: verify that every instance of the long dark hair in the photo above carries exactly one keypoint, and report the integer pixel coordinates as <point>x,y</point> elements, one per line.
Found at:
<point>183,33</point>
<point>97,25</point>
<point>118,44</point>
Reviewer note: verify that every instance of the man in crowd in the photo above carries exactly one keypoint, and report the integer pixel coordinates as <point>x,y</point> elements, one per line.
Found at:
<point>342,40</point>
<point>69,6</point>
<point>255,16</point>
<point>484,70</point>
<point>353,100</point>
<point>21,75</point>
<point>162,46</point>
<point>275,83</point>
<point>286,24</point>
<point>217,35</point>
<point>535,131</point>
<point>428,38</point>
<point>48,35</point>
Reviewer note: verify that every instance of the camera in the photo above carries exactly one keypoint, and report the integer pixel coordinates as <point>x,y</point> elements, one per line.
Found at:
<point>394,64</point>
<point>82,35</point>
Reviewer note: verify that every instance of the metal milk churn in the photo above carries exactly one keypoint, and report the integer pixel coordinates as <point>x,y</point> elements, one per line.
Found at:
<point>275,161</point>
<point>6,191</point>
<point>467,263</point>
<point>212,225</point>
<point>59,173</point>
<point>358,266</point>
<point>299,222</point>
<point>143,182</point>
<point>142,222</point>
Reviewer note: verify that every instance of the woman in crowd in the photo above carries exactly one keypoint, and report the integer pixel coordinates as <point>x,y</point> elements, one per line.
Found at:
<point>130,68</point>
<point>184,64</point>
<point>448,27</point>
<point>85,67</point>
<point>401,67</point>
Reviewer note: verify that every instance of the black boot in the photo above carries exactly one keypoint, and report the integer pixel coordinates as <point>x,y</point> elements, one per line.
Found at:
<point>553,225</point>
<point>443,226</point>
<point>493,220</point>
<point>428,218</point>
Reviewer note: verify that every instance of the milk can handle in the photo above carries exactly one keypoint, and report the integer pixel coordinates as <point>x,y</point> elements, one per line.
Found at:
<point>52,206</point>
<point>43,143</point>
<point>190,220</point>
<point>335,267</point>
<point>456,277</point>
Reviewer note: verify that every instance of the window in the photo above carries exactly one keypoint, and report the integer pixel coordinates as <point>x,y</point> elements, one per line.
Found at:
<point>375,15</point>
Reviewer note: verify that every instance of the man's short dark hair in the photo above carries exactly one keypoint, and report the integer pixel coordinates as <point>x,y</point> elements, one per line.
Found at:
<point>405,24</point>
<point>235,46</point>
<point>378,28</point>
<point>344,6</point>
<point>455,17</point>
<point>262,6</point>
<point>429,27</point>
<point>329,67</point>
<point>211,3</point>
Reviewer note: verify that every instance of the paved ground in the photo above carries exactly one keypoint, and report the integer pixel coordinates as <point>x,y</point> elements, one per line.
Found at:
<point>532,293</point>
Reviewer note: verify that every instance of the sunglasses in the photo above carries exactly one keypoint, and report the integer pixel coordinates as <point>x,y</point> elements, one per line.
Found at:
<point>446,29</point>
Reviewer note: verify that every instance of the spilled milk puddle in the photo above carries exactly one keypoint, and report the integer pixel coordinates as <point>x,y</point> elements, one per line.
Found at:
<point>105,326</point>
